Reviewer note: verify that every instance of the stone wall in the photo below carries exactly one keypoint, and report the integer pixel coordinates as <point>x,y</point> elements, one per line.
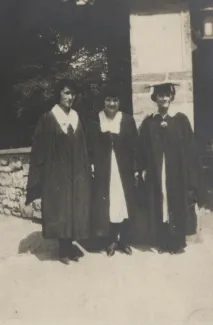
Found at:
<point>14,167</point>
<point>161,52</point>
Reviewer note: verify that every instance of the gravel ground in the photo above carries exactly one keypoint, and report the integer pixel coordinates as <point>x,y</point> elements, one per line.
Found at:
<point>145,288</point>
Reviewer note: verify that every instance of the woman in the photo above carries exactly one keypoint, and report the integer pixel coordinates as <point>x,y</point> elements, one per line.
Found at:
<point>171,169</point>
<point>59,173</point>
<point>112,148</point>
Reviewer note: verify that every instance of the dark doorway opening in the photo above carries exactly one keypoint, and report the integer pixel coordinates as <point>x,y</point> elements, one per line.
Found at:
<point>118,49</point>
<point>203,90</point>
<point>203,108</point>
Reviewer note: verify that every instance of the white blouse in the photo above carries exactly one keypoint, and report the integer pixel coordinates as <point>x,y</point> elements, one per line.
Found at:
<point>64,120</point>
<point>110,125</point>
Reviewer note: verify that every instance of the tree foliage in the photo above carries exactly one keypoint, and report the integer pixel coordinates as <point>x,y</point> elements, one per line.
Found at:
<point>66,43</point>
<point>45,40</point>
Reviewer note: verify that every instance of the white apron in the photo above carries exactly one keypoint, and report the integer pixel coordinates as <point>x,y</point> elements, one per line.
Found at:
<point>163,179</point>
<point>118,207</point>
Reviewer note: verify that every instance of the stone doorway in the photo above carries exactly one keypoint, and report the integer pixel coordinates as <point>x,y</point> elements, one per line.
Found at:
<point>203,109</point>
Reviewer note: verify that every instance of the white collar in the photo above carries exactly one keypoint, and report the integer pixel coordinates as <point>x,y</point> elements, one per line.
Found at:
<point>65,120</point>
<point>171,113</point>
<point>110,125</point>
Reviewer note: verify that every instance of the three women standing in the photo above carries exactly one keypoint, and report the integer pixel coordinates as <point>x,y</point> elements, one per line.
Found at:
<point>60,172</point>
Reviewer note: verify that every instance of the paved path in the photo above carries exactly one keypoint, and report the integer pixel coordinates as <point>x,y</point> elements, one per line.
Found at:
<point>145,288</point>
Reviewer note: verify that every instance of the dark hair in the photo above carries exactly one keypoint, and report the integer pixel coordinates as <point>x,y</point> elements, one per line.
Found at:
<point>154,96</point>
<point>111,90</point>
<point>61,84</point>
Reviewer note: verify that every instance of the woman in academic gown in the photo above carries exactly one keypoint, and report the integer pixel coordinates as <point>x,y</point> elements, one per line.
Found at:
<point>171,171</point>
<point>60,173</point>
<point>112,148</point>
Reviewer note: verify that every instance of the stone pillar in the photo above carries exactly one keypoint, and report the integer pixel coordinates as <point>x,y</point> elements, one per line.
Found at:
<point>161,52</point>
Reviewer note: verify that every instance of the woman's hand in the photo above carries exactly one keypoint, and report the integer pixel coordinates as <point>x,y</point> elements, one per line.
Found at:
<point>143,174</point>
<point>136,175</point>
<point>93,170</point>
<point>192,197</point>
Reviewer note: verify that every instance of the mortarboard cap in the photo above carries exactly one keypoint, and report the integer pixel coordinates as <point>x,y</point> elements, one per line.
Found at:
<point>162,89</point>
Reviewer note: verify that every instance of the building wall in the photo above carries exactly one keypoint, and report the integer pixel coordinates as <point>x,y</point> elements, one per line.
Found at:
<point>160,52</point>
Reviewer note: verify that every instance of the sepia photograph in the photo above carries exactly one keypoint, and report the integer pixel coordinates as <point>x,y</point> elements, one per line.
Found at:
<point>106,162</point>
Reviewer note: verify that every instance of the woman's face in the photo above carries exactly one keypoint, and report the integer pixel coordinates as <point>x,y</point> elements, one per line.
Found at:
<point>111,105</point>
<point>67,97</point>
<point>163,101</point>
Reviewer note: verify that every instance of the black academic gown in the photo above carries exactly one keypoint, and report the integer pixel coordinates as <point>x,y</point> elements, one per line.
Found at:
<point>183,174</point>
<point>60,175</point>
<point>100,147</point>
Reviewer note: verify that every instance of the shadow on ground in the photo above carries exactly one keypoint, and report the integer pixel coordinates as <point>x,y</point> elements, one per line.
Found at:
<point>41,248</point>
<point>47,250</point>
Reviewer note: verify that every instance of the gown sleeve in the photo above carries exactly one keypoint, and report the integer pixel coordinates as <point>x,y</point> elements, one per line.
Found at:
<point>194,166</point>
<point>135,144</point>
<point>37,161</point>
<point>91,138</point>
<point>143,145</point>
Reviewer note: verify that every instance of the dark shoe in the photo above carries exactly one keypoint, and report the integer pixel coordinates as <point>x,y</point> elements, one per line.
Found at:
<point>177,251</point>
<point>125,249</point>
<point>111,249</point>
<point>63,251</point>
<point>65,260</point>
<point>163,248</point>
<point>161,251</point>
<point>76,251</point>
<point>73,256</point>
